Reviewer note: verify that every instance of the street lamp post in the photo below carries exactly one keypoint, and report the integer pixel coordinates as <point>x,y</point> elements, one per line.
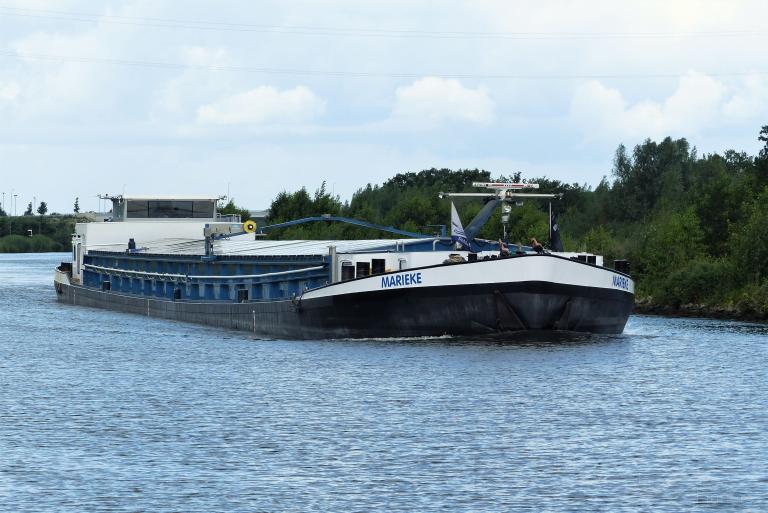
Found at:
<point>10,222</point>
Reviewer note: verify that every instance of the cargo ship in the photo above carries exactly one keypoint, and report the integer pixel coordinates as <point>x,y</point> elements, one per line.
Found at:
<point>178,258</point>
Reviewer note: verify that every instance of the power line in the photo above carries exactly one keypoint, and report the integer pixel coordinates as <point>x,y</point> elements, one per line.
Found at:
<point>363,32</point>
<point>353,74</point>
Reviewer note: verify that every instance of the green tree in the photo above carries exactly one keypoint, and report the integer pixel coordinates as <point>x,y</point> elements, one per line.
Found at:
<point>324,203</point>
<point>287,206</point>
<point>622,164</point>
<point>28,211</point>
<point>231,209</point>
<point>693,283</point>
<point>525,222</point>
<point>668,242</point>
<point>600,240</point>
<point>653,168</point>
<point>751,242</point>
<point>764,138</point>
<point>412,213</point>
<point>76,208</point>
<point>42,208</point>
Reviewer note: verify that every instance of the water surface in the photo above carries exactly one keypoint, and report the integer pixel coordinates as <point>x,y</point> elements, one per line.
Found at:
<point>102,411</point>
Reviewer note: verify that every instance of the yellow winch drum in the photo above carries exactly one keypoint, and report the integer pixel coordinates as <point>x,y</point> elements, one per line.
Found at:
<point>249,226</point>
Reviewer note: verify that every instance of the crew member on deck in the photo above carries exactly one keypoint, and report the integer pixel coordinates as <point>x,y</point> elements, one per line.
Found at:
<point>503,249</point>
<point>536,245</point>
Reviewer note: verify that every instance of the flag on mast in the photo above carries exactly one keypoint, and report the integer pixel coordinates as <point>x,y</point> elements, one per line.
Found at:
<point>457,229</point>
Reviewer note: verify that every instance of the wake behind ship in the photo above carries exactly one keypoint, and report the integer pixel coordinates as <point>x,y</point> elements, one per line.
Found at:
<point>176,258</point>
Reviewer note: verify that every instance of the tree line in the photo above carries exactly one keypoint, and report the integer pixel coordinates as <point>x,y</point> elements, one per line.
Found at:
<point>28,233</point>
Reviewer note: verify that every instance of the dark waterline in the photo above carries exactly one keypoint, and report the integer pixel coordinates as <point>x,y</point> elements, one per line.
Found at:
<point>102,411</point>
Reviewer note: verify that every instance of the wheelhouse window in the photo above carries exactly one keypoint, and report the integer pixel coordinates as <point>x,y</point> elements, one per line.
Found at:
<point>138,209</point>
<point>170,209</point>
<point>202,209</point>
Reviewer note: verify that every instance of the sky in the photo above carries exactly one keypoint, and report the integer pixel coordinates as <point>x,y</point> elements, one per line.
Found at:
<point>251,98</point>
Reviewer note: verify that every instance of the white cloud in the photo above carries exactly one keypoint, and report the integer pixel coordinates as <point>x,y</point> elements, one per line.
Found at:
<point>9,91</point>
<point>263,105</point>
<point>53,87</point>
<point>695,105</point>
<point>433,99</point>
<point>750,102</point>
<point>59,71</point>
<point>180,95</point>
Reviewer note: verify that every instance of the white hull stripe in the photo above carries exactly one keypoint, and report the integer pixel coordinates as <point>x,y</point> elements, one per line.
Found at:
<point>507,270</point>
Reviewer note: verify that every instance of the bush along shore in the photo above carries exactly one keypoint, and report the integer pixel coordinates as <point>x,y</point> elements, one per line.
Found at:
<point>49,233</point>
<point>746,308</point>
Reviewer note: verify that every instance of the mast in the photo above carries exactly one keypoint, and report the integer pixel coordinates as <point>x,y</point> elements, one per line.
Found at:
<point>498,193</point>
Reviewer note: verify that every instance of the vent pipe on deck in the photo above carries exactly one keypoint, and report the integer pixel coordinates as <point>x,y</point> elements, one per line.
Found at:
<point>334,264</point>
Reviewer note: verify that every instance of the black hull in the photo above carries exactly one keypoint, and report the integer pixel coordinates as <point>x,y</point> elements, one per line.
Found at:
<point>417,312</point>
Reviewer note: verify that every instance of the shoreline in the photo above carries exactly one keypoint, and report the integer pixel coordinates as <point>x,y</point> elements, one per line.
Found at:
<point>31,252</point>
<point>699,312</point>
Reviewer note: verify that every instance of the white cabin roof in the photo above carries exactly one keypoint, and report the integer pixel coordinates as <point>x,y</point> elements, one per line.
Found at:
<point>245,245</point>
<point>171,198</point>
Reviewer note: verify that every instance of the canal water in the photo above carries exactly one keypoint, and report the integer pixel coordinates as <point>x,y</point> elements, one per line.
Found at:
<point>101,411</point>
